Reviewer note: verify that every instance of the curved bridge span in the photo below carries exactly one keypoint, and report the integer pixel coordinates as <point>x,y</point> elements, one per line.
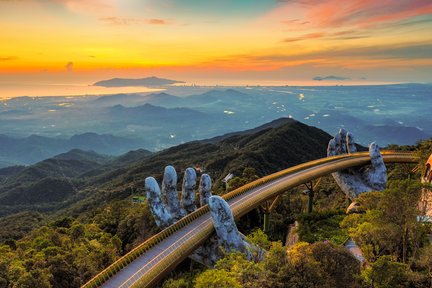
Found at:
<point>147,264</point>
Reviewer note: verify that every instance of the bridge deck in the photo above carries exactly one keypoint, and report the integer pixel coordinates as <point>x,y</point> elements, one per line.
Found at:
<point>133,272</point>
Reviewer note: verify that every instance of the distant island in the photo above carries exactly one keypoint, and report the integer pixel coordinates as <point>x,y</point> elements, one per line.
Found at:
<point>146,82</point>
<point>319,78</point>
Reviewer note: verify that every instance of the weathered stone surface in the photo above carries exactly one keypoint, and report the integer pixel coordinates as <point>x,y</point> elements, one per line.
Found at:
<point>226,229</point>
<point>159,210</point>
<point>209,253</point>
<point>229,238</point>
<point>355,181</point>
<point>170,194</point>
<point>205,189</point>
<point>188,190</point>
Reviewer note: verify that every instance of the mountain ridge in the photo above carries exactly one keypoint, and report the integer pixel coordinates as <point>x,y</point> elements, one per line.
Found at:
<point>94,179</point>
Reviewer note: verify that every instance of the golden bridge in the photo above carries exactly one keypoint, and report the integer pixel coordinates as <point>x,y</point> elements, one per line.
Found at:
<point>148,263</point>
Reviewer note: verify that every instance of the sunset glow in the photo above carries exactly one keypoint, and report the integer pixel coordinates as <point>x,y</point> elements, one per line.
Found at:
<point>220,42</point>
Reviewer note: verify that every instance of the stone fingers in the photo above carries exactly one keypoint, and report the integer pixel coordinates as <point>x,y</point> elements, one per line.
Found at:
<point>170,194</point>
<point>160,212</point>
<point>377,174</point>
<point>342,136</point>
<point>331,148</point>
<point>351,147</point>
<point>226,229</point>
<point>204,189</point>
<point>188,190</point>
<point>338,145</point>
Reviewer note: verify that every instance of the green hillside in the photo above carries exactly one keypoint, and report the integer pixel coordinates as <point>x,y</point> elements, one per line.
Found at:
<point>69,216</point>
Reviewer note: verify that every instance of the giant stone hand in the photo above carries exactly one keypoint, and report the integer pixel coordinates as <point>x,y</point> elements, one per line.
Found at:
<point>167,209</point>
<point>354,181</point>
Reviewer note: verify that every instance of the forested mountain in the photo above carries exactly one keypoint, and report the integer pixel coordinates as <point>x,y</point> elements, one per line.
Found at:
<point>78,175</point>
<point>34,148</point>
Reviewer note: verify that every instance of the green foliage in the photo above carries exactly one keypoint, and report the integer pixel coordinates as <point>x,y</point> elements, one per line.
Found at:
<point>321,226</point>
<point>54,256</point>
<point>389,226</point>
<point>320,265</point>
<point>369,201</point>
<point>259,238</point>
<point>385,273</point>
<point>306,265</point>
<point>131,222</point>
<point>423,151</point>
<point>176,283</point>
<point>423,267</point>
<point>16,226</point>
<point>248,175</point>
<point>216,279</point>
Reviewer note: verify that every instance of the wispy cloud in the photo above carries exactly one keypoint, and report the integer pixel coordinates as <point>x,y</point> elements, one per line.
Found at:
<point>341,35</point>
<point>335,13</point>
<point>119,21</point>
<point>94,7</point>
<point>404,55</point>
<point>157,21</point>
<point>295,22</point>
<point>305,37</point>
<point>8,58</point>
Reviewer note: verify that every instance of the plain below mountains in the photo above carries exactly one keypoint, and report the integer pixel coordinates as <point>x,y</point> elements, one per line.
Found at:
<point>387,114</point>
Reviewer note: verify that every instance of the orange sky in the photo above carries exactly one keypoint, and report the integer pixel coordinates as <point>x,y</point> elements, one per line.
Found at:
<point>228,42</point>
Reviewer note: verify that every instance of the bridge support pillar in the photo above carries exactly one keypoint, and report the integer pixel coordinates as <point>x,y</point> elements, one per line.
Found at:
<point>266,227</point>
<point>311,193</point>
<point>310,201</point>
<point>268,207</point>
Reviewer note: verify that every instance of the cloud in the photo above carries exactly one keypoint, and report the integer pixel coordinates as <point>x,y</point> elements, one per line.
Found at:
<point>118,21</point>
<point>94,7</point>
<point>407,51</point>
<point>335,13</point>
<point>8,58</point>
<point>341,35</point>
<point>69,66</point>
<point>305,37</point>
<point>404,56</point>
<point>295,21</point>
<point>157,21</point>
<point>331,78</point>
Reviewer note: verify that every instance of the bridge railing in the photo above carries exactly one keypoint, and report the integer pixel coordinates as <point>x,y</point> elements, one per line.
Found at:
<point>122,262</point>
